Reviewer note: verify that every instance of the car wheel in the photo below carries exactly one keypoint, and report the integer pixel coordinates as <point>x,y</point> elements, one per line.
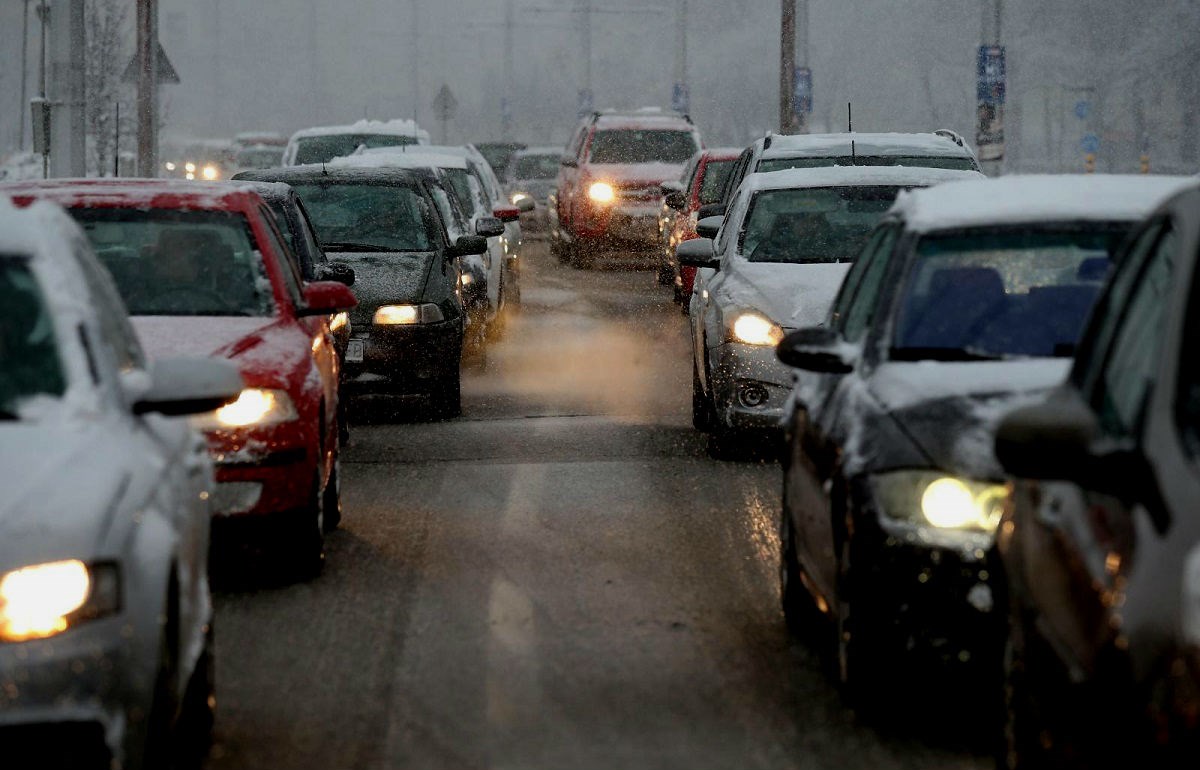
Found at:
<point>198,711</point>
<point>702,411</point>
<point>799,610</point>
<point>495,330</point>
<point>1020,747</point>
<point>666,276</point>
<point>559,251</point>
<point>159,720</point>
<point>445,398</point>
<point>307,537</point>
<point>333,496</point>
<point>860,657</point>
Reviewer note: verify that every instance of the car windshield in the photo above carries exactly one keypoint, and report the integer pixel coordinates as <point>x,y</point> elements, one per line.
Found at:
<point>29,359</point>
<point>367,217</point>
<point>642,146</point>
<point>535,167</point>
<point>1014,292</point>
<point>322,149</point>
<point>918,161</point>
<point>805,226</point>
<point>716,174</point>
<point>266,157</point>
<point>175,262</point>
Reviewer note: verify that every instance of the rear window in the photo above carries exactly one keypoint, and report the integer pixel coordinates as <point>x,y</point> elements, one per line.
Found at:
<point>813,225</point>
<point>29,359</point>
<point>643,146</point>
<point>914,161</point>
<point>190,263</point>
<point>260,157</point>
<point>322,149</point>
<point>368,217</point>
<point>535,167</point>
<point>1016,292</point>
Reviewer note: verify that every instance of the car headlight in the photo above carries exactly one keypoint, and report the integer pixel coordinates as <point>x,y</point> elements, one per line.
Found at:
<point>339,321</point>
<point>169,166</point>
<point>754,328</point>
<point>189,167</point>
<point>467,279</point>
<point>602,192</point>
<point>254,407</point>
<point>518,197</point>
<point>46,599</point>
<point>211,172</point>
<point>929,498</point>
<point>408,315</point>
<point>1191,598</point>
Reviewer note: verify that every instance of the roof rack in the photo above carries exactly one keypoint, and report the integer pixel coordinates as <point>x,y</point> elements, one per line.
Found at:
<point>641,112</point>
<point>953,136</point>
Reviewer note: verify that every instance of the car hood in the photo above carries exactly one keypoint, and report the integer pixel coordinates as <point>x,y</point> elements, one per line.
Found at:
<point>265,350</point>
<point>793,296</point>
<point>635,174</point>
<point>43,518</point>
<point>386,278</point>
<point>944,415</point>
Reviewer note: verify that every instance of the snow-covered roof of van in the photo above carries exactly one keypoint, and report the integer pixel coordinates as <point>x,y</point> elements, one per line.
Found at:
<point>856,176</point>
<point>821,145</point>
<point>395,157</point>
<point>398,127</point>
<point>1018,199</point>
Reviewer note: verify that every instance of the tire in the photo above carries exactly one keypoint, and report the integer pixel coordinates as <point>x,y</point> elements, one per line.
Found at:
<point>445,398</point>
<point>702,411</point>
<point>198,711</point>
<point>333,496</point>
<point>860,658</point>
<point>666,276</point>
<point>306,537</point>
<point>160,723</point>
<point>1019,747</point>
<point>799,611</point>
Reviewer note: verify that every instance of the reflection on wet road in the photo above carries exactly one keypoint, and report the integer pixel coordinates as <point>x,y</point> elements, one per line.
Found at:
<point>561,578</point>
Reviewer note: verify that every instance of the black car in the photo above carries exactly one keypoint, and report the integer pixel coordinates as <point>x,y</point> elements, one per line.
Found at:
<point>951,316</point>
<point>408,329</point>
<point>1100,542</point>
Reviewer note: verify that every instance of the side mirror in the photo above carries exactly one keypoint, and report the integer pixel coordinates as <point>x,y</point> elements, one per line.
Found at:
<point>676,200</point>
<point>326,297</point>
<point>569,162</point>
<point>708,227</point>
<point>1050,440</point>
<point>466,246</point>
<point>337,271</point>
<point>526,204</point>
<point>816,349</point>
<point>698,252</point>
<point>489,227</point>
<point>183,386</point>
<point>507,213</point>
<point>712,210</point>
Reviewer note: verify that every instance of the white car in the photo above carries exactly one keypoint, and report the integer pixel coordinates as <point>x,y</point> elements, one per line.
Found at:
<point>776,264</point>
<point>105,615</point>
<point>324,143</point>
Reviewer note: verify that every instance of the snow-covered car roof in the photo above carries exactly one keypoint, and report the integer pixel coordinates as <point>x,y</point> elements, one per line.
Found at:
<point>856,176</point>
<point>331,173</point>
<point>1021,199</point>
<point>648,118</point>
<point>823,145</point>
<point>722,152</point>
<point>396,157</point>
<point>398,127</point>
<point>127,193</point>
<point>538,151</point>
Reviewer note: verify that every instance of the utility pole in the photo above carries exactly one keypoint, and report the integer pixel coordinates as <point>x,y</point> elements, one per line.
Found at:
<point>800,114</point>
<point>68,130</point>
<point>416,61</point>
<point>787,69</point>
<point>24,111</point>
<point>587,95</point>
<point>681,100</point>
<point>510,24</point>
<point>147,87</point>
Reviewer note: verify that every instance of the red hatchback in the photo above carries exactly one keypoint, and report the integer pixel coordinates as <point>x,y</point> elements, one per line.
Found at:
<point>204,271</point>
<point>703,181</point>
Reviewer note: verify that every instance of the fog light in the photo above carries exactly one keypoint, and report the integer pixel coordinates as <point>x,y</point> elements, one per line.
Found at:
<point>752,396</point>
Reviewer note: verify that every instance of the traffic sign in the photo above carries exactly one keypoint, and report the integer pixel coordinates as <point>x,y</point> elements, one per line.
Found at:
<point>1090,144</point>
<point>992,80</point>
<point>166,70</point>
<point>445,105</point>
<point>681,98</point>
<point>803,98</point>
<point>1083,108</point>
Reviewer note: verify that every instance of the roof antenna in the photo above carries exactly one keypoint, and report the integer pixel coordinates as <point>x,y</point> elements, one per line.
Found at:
<point>324,170</point>
<point>850,125</point>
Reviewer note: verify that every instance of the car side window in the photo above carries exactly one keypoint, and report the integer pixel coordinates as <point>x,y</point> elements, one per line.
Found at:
<point>305,231</point>
<point>1127,377</point>
<point>115,330</point>
<point>841,302</point>
<point>285,261</point>
<point>861,310</point>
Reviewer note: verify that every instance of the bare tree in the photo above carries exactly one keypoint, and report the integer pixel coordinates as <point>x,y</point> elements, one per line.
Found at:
<point>107,34</point>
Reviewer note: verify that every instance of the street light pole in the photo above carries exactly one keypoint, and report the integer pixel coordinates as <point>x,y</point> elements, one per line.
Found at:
<point>681,48</point>
<point>787,68</point>
<point>21,113</point>
<point>509,74</point>
<point>147,87</point>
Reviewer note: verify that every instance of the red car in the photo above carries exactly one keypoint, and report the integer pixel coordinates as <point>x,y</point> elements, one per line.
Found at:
<point>703,180</point>
<point>610,182</point>
<point>203,270</point>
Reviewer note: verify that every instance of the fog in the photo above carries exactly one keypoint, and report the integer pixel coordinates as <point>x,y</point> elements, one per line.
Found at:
<point>285,64</point>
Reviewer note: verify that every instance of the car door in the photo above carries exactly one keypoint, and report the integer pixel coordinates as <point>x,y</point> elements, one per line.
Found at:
<point>704,311</point>
<point>1077,539</point>
<point>568,179</point>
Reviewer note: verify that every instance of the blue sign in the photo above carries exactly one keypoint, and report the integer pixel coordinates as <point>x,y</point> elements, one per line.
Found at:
<point>993,76</point>
<point>1083,109</point>
<point>587,102</point>
<point>1090,144</point>
<point>804,90</point>
<point>681,98</point>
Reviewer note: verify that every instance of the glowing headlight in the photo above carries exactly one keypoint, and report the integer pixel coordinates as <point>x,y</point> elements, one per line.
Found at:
<point>169,166</point>
<point>518,197</point>
<point>339,321</point>
<point>467,279</point>
<point>929,498</point>
<point>754,329</point>
<point>211,172</point>
<point>408,315</point>
<point>602,192</point>
<point>189,167</point>
<point>254,406</point>
<point>36,602</point>
<point>1191,597</point>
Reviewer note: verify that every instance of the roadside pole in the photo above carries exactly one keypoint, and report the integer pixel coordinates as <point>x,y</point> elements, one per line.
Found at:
<point>147,87</point>
<point>22,114</point>
<point>787,69</point>
<point>68,134</point>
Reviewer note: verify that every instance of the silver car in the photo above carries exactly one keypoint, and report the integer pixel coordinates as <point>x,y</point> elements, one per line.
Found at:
<point>105,613</point>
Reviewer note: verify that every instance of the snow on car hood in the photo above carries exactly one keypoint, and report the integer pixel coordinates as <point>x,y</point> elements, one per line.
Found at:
<point>636,173</point>
<point>41,517</point>
<point>386,278</point>
<point>793,296</point>
<point>266,350</point>
<point>950,410</point>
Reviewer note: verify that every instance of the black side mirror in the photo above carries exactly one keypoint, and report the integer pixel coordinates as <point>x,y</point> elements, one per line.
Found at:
<point>676,200</point>
<point>708,227</point>
<point>712,210</point>
<point>466,246</point>
<point>526,204</point>
<point>698,252</point>
<point>569,162</point>
<point>815,349</point>
<point>489,227</point>
<point>1050,440</point>
<point>336,271</point>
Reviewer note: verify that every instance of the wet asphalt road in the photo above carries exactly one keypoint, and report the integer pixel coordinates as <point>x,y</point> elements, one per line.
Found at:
<point>559,579</point>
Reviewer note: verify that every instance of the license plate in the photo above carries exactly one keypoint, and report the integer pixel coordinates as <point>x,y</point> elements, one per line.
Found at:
<point>354,351</point>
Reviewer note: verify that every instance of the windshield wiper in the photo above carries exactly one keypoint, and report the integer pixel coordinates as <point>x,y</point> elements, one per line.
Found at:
<point>941,354</point>
<point>362,247</point>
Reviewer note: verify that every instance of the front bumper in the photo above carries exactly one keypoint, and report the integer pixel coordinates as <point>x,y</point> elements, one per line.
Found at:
<point>407,356</point>
<point>622,225</point>
<point>749,387</point>
<point>262,472</point>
